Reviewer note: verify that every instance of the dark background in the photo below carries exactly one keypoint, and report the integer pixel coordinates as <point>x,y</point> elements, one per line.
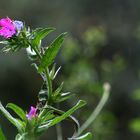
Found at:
<point>103,45</point>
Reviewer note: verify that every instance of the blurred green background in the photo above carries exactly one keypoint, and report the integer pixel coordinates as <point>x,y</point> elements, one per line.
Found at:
<point>103,45</point>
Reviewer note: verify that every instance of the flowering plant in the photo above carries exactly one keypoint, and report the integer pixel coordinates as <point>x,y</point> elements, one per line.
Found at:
<point>44,115</point>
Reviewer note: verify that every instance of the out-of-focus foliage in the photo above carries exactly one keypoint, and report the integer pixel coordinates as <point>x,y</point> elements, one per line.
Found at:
<point>135,125</point>
<point>104,42</point>
<point>103,128</point>
<point>136,94</point>
<point>86,77</point>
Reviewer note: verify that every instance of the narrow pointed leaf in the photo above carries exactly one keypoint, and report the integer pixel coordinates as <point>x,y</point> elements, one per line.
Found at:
<point>51,52</point>
<point>56,120</point>
<point>40,34</point>
<point>65,96</point>
<point>59,89</point>
<point>80,104</point>
<point>52,72</point>
<point>14,121</point>
<point>56,72</point>
<point>17,110</point>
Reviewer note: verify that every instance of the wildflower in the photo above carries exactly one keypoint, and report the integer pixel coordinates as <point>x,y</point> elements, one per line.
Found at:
<point>7,28</point>
<point>18,26</point>
<point>32,113</point>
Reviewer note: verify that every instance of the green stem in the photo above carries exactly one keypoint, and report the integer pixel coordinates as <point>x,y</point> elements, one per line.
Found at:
<point>97,110</point>
<point>49,84</point>
<point>48,80</point>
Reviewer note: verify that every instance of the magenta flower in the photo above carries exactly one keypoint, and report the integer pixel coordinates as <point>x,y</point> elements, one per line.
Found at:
<point>7,29</point>
<point>32,113</point>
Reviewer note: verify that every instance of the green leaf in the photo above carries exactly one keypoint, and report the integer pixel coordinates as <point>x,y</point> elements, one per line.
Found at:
<point>59,89</point>
<point>51,52</point>
<point>87,136</point>
<point>2,136</point>
<point>64,96</point>
<point>17,110</point>
<point>56,72</point>
<point>39,34</point>
<point>58,119</point>
<point>53,73</point>
<point>80,104</point>
<point>49,115</point>
<point>14,121</point>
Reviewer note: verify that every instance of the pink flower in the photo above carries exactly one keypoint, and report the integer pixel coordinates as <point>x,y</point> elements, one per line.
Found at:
<point>7,28</point>
<point>32,113</point>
